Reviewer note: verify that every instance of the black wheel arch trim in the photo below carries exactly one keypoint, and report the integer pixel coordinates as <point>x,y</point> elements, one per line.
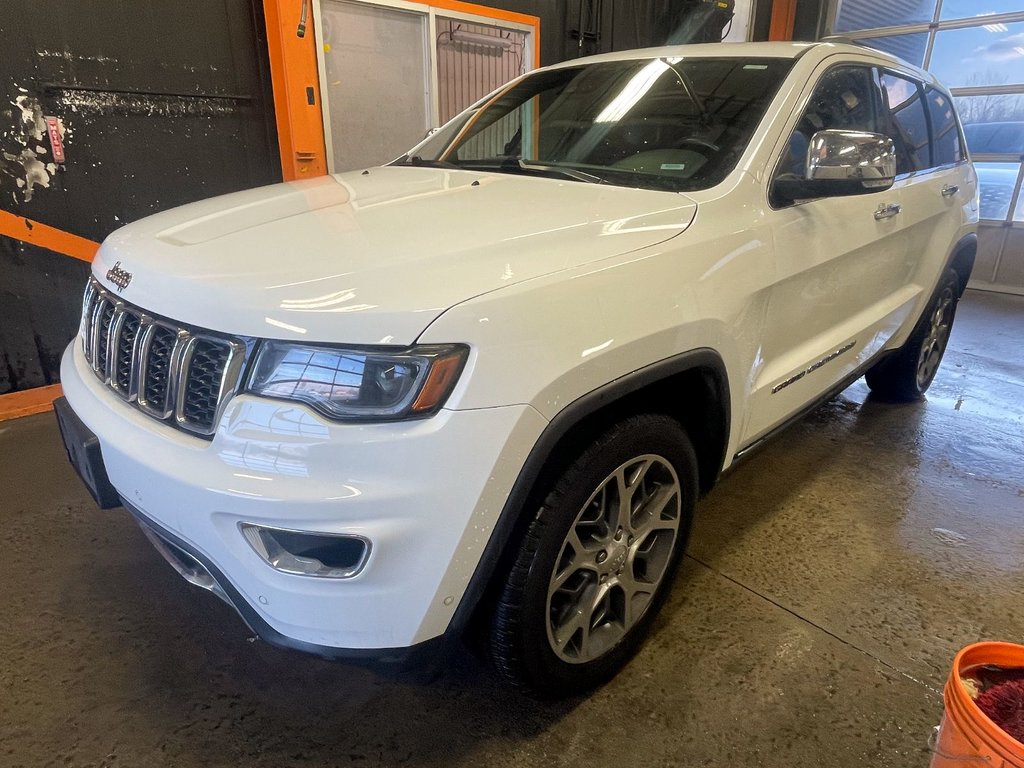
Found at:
<point>566,419</point>
<point>963,253</point>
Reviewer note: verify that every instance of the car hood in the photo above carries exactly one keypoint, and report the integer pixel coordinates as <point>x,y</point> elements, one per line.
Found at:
<point>372,257</point>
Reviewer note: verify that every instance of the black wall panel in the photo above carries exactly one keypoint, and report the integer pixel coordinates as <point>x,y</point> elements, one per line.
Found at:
<point>574,28</point>
<point>40,301</point>
<point>162,102</point>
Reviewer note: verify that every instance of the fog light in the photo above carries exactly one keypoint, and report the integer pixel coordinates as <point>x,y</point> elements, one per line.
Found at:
<point>327,555</point>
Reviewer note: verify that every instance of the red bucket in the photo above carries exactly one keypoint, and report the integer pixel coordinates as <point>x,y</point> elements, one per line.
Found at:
<point>967,738</point>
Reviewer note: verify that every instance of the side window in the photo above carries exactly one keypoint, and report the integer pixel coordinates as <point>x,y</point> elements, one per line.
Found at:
<point>909,124</point>
<point>945,135</point>
<point>845,98</point>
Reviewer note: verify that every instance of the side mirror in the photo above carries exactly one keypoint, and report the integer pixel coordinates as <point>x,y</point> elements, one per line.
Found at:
<point>842,163</point>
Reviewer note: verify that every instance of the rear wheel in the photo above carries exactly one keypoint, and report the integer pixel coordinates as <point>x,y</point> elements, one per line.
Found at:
<point>906,375</point>
<point>597,560</point>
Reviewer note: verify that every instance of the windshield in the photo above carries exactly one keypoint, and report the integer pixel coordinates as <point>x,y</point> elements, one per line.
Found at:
<point>672,124</point>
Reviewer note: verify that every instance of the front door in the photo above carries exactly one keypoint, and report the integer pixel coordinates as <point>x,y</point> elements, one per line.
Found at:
<point>841,265</point>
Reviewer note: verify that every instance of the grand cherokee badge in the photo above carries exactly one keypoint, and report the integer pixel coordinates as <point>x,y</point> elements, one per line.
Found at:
<point>119,277</point>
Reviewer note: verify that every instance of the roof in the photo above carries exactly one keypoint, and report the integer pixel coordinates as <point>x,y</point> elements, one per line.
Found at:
<point>776,50</point>
<point>785,50</point>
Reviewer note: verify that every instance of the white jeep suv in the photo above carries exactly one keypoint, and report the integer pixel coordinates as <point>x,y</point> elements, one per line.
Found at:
<point>483,386</point>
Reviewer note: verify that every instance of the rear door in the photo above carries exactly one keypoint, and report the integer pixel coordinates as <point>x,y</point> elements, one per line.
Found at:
<point>938,181</point>
<point>841,263</point>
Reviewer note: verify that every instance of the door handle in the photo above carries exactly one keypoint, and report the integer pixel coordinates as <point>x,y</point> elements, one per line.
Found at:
<point>950,189</point>
<point>887,211</point>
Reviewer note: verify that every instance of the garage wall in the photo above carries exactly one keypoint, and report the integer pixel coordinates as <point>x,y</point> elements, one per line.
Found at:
<point>607,25</point>
<point>159,102</point>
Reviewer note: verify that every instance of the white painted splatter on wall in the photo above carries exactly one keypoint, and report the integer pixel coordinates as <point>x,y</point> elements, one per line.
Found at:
<point>24,147</point>
<point>36,172</point>
<point>108,102</point>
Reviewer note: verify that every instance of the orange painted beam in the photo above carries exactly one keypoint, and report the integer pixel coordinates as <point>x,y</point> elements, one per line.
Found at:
<point>783,20</point>
<point>17,404</point>
<point>296,84</point>
<point>48,237</point>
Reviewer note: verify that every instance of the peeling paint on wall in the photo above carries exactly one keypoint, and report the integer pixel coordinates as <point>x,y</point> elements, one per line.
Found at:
<point>35,172</point>
<point>33,123</point>
<point>159,120</point>
<point>21,149</point>
<point>68,56</point>
<point>107,102</point>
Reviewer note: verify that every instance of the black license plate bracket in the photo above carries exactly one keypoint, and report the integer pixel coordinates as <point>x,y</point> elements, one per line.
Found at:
<point>83,449</point>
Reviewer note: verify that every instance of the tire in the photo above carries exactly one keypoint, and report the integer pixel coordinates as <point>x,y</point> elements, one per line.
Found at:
<point>906,375</point>
<point>562,623</point>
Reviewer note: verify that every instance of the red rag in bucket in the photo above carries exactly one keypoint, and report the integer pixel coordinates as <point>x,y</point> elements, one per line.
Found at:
<point>1003,703</point>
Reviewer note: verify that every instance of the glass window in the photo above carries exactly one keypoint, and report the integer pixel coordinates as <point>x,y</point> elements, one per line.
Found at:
<point>993,125</point>
<point>991,54</point>
<point>1018,215</point>
<point>673,124</point>
<point>377,81</point>
<point>468,71</point>
<point>910,47</point>
<point>996,181</point>
<point>870,14</point>
<point>909,126</point>
<point>945,135</point>
<point>846,98</point>
<point>969,9</point>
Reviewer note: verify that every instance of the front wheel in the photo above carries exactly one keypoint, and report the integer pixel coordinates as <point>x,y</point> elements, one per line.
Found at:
<point>597,560</point>
<point>906,374</point>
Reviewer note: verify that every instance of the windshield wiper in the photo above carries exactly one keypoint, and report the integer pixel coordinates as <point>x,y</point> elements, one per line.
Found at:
<point>518,165</point>
<point>575,174</point>
<point>420,162</point>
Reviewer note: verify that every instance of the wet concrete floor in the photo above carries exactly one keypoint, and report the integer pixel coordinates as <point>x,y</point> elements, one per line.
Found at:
<point>831,579</point>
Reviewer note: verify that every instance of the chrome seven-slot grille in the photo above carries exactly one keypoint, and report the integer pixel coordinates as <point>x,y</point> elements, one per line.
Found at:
<point>179,375</point>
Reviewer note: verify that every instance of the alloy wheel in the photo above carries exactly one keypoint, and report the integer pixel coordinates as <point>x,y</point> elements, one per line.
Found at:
<point>613,559</point>
<point>934,343</point>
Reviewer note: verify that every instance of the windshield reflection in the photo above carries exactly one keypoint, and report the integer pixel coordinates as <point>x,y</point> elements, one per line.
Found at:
<point>669,123</point>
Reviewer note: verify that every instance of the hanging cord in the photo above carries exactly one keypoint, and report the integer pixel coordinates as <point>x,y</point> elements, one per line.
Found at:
<point>301,31</point>
<point>579,26</point>
<point>728,29</point>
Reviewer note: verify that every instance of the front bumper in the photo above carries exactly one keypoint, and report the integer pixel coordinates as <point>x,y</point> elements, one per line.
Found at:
<point>425,493</point>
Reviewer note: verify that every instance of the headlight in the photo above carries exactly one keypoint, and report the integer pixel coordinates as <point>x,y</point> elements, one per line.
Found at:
<point>358,384</point>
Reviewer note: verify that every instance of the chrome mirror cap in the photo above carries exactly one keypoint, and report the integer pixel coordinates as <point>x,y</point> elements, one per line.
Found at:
<point>836,155</point>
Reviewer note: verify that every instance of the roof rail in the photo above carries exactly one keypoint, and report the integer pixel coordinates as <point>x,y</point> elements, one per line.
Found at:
<point>839,39</point>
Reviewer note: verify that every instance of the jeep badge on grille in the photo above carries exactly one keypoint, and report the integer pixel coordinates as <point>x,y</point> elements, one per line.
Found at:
<point>119,277</point>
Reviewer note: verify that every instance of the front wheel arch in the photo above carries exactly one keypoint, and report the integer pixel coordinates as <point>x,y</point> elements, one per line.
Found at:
<point>628,496</point>
<point>692,388</point>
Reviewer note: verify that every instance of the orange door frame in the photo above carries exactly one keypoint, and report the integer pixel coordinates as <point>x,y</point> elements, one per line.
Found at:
<point>293,74</point>
<point>315,123</point>
<point>783,20</point>
<point>296,83</point>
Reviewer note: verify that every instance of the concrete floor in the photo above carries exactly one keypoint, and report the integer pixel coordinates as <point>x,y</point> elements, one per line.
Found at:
<point>831,578</point>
